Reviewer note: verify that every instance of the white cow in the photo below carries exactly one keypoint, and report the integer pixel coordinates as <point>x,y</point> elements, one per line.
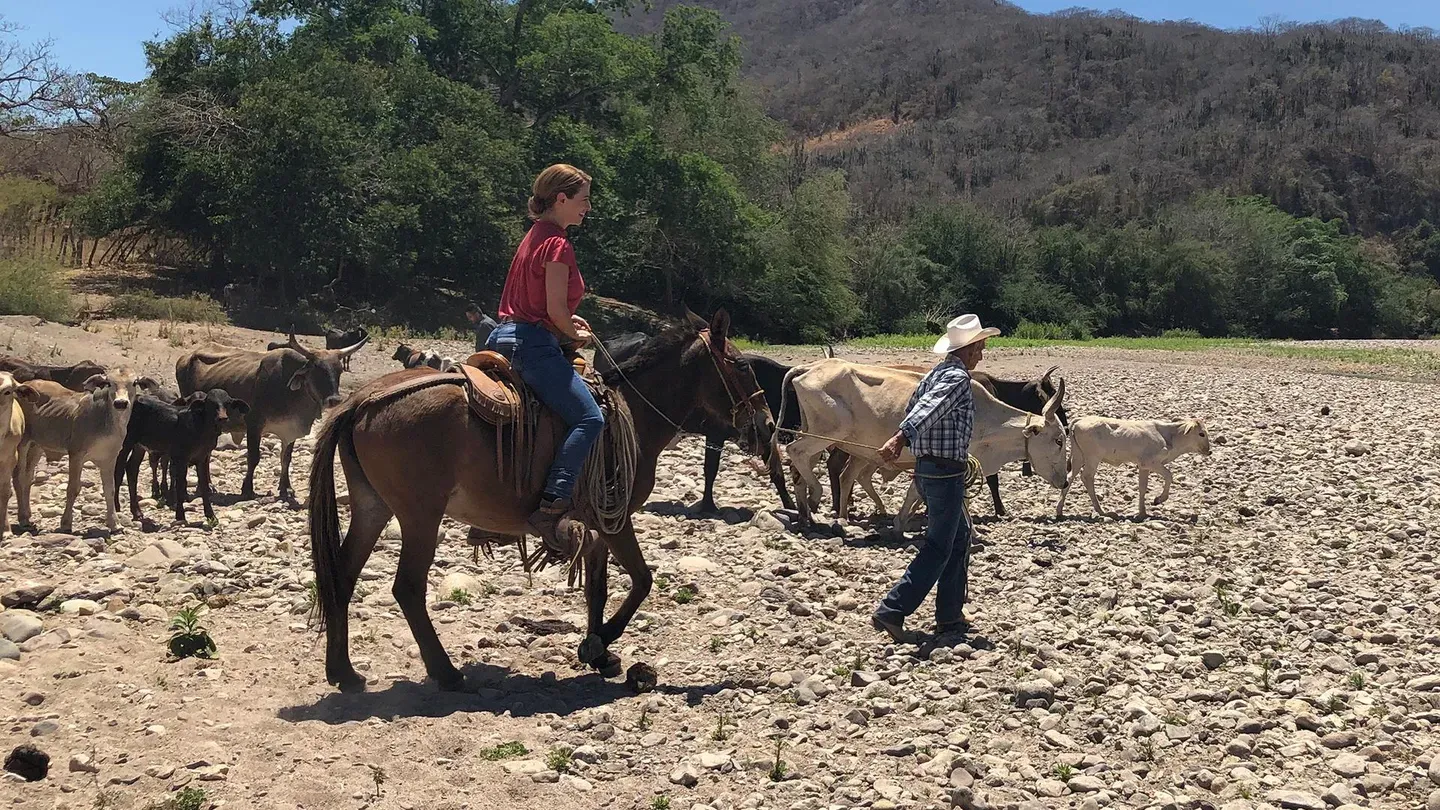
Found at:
<point>12,430</point>
<point>1150,445</point>
<point>857,407</point>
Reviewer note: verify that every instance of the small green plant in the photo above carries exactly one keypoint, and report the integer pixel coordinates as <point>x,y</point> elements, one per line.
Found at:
<point>1267,665</point>
<point>685,594</point>
<point>190,798</point>
<point>1335,705</point>
<point>190,639</point>
<point>211,523</point>
<point>490,589</point>
<point>644,723</point>
<point>1357,680</point>
<point>842,671</point>
<point>377,773</point>
<point>717,644</point>
<point>1228,606</point>
<point>1147,749</point>
<point>1174,720</point>
<point>559,760</point>
<point>662,582</point>
<point>1063,771</point>
<point>504,750</point>
<point>660,803</point>
<point>778,769</point>
<point>721,734</point>
<point>1245,791</point>
<point>460,596</point>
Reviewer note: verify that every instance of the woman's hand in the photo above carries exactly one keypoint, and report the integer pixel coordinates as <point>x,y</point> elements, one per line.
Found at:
<point>889,451</point>
<point>584,337</point>
<point>580,323</point>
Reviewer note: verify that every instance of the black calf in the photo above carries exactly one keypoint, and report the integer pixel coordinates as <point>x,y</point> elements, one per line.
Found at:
<point>184,433</point>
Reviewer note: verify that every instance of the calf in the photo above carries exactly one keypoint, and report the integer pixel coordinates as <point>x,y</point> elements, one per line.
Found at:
<point>12,431</point>
<point>1096,440</point>
<point>86,426</point>
<point>185,433</point>
<point>339,339</point>
<point>72,377</point>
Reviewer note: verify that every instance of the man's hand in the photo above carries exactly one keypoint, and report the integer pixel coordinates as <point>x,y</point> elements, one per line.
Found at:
<point>584,336</point>
<point>580,323</point>
<point>890,450</point>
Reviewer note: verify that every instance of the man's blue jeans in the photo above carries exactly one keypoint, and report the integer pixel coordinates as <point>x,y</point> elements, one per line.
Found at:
<point>535,355</point>
<point>944,560</point>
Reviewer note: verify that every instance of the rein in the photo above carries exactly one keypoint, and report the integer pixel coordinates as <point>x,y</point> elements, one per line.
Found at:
<point>736,404</point>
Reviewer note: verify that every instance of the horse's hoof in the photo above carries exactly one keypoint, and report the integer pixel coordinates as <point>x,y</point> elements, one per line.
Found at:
<point>451,682</point>
<point>641,678</point>
<point>608,666</point>
<point>349,683</point>
<point>592,649</point>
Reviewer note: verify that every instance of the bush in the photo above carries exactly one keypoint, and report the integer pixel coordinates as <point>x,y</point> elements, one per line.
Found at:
<point>1027,330</point>
<point>147,306</point>
<point>30,286</point>
<point>1181,334</point>
<point>913,324</point>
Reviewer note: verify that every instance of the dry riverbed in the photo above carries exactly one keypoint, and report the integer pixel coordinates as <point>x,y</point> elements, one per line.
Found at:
<point>1270,639</point>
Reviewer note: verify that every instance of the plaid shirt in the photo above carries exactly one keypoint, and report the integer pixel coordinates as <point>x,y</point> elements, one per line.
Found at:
<point>941,414</point>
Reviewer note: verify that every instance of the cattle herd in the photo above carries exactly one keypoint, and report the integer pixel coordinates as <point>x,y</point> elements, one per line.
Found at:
<point>834,408</point>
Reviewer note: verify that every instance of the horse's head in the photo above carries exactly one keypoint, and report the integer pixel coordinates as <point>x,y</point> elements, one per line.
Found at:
<point>727,392</point>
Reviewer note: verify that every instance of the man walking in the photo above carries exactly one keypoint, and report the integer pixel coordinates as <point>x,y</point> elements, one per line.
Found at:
<point>482,324</point>
<point>937,427</point>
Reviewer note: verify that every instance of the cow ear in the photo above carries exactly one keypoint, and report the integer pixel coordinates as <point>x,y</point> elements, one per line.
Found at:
<point>1032,429</point>
<point>196,401</point>
<point>26,391</point>
<point>720,328</point>
<point>239,406</point>
<point>95,382</point>
<point>297,380</point>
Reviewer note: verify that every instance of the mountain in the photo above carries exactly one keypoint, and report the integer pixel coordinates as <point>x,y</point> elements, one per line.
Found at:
<point>1084,116</point>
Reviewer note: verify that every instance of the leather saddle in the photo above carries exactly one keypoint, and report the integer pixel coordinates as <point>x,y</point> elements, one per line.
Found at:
<point>490,384</point>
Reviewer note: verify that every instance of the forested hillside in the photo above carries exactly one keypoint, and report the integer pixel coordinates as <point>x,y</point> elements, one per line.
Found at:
<point>1103,115</point>
<point>822,168</point>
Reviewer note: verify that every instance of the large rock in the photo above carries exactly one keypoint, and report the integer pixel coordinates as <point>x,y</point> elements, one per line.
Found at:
<point>684,775</point>
<point>1348,765</point>
<point>1424,683</point>
<point>1036,692</point>
<point>20,626</point>
<point>159,554</point>
<point>1435,768</point>
<point>8,650</point>
<point>696,565</point>
<point>461,581</point>
<point>27,595</point>
<point>1295,800</point>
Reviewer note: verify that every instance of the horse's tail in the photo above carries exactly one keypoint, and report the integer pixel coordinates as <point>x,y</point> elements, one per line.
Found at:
<point>324,513</point>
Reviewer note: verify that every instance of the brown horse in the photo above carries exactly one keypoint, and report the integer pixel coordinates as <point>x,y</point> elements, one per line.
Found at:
<point>423,456</point>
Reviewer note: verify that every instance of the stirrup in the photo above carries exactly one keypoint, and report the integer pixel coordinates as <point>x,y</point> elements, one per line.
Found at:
<point>559,534</point>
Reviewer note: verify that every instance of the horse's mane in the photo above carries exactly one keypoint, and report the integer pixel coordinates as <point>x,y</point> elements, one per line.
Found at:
<point>670,341</point>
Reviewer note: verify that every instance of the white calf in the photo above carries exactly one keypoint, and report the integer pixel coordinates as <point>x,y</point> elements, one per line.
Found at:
<point>1096,440</point>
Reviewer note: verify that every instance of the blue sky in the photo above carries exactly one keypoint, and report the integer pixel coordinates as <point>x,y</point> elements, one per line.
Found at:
<point>104,36</point>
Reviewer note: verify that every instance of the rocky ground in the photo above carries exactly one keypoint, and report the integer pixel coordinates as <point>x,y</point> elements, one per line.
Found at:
<point>1269,639</point>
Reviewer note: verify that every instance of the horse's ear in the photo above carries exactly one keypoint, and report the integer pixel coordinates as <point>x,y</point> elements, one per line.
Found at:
<point>720,327</point>
<point>693,319</point>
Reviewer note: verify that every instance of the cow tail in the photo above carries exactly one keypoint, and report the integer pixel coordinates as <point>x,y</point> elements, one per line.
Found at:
<point>787,386</point>
<point>325,536</point>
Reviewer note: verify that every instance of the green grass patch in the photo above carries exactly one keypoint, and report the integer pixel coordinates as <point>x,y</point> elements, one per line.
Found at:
<point>31,286</point>
<point>147,306</point>
<point>504,750</point>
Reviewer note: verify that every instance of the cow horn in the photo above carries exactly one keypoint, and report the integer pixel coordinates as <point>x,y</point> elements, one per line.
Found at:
<point>346,352</point>
<point>295,344</point>
<point>1045,378</point>
<point>1055,402</point>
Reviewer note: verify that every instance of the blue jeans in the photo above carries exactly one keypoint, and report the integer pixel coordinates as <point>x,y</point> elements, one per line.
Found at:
<point>945,557</point>
<point>535,355</point>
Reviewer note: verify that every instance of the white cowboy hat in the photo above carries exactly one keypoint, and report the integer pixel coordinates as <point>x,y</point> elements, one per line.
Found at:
<point>961,332</point>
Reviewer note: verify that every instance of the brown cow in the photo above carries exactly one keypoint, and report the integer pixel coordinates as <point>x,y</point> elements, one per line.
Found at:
<point>85,426</point>
<point>286,389</point>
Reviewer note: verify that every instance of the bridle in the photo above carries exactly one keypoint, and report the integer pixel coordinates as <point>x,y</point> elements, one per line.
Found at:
<point>738,404</point>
